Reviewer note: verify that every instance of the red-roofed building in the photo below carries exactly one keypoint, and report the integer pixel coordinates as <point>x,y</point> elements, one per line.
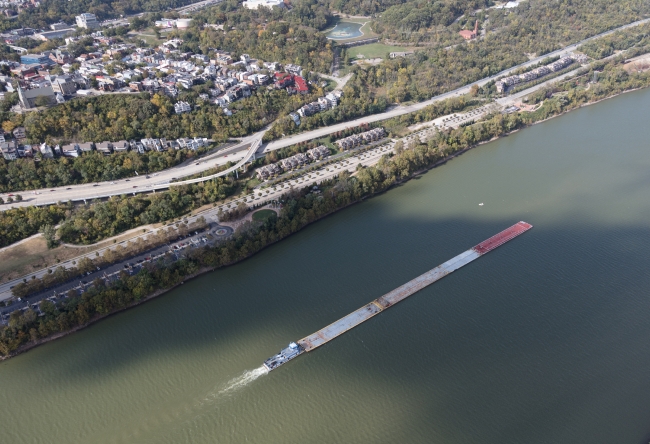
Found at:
<point>469,35</point>
<point>283,79</point>
<point>300,85</point>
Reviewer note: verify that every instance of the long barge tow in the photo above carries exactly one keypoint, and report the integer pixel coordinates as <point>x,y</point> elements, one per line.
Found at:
<point>315,340</point>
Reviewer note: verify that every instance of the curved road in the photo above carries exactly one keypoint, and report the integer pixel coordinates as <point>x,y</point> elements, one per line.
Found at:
<point>236,153</point>
<point>139,184</point>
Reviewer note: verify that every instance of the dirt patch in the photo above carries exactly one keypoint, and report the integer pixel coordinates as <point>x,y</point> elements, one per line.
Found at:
<point>640,64</point>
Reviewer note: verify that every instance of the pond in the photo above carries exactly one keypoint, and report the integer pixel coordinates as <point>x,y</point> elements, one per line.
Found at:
<point>345,31</point>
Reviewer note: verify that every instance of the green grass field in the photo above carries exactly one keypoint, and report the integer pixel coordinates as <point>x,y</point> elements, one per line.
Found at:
<point>374,50</point>
<point>262,215</point>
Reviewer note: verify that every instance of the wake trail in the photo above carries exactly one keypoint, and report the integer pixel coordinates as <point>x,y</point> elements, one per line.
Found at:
<point>242,381</point>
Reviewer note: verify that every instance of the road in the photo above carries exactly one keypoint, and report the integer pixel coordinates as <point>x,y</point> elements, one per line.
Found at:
<point>169,252</point>
<point>133,185</point>
<point>209,215</point>
<point>366,156</point>
<point>183,9</point>
<point>237,153</point>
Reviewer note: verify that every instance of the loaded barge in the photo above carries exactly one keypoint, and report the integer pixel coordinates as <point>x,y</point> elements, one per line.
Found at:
<point>315,340</point>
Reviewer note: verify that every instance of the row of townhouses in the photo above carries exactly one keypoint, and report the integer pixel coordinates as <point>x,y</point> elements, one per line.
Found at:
<point>330,101</point>
<point>507,82</point>
<point>12,150</point>
<point>359,139</point>
<point>268,171</point>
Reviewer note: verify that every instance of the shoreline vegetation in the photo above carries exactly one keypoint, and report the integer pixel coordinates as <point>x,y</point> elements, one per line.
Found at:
<point>303,207</point>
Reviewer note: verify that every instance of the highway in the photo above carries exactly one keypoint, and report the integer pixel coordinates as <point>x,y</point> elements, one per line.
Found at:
<point>210,217</point>
<point>168,252</point>
<point>138,184</point>
<point>244,150</point>
<point>365,156</point>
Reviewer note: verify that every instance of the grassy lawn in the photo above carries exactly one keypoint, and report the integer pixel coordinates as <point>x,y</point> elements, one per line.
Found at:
<point>262,215</point>
<point>374,50</point>
<point>149,36</point>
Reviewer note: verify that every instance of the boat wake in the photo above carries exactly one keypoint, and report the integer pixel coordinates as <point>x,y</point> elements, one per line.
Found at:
<point>242,381</point>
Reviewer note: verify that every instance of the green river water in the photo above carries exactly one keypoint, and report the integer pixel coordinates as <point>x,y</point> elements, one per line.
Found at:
<point>544,340</point>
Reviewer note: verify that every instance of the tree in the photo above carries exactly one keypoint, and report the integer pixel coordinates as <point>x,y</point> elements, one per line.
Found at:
<point>8,126</point>
<point>19,198</point>
<point>49,233</point>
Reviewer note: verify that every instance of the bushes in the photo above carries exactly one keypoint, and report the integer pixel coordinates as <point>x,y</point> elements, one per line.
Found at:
<point>20,223</point>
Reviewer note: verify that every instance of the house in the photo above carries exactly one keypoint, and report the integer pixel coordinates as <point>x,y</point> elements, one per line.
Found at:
<point>9,151</point>
<point>86,147</point>
<point>268,171</point>
<point>61,57</point>
<point>19,132</point>
<point>254,4</point>
<point>64,85</point>
<point>88,21</point>
<point>182,107</point>
<point>469,35</point>
<point>46,151</point>
<point>121,146</point>
<point>318,153</point>
<point>104,147</point>
<point>293,69</point>
<point>71,150</point>
<point>296,118</point>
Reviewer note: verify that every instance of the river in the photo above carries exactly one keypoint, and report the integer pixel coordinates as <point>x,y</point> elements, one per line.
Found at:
<point>544,340</point>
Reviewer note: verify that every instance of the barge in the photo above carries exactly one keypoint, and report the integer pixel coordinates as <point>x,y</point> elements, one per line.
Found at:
<point>337,328</point>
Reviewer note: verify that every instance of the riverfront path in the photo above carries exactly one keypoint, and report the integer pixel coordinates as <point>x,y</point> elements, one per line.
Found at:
<point>245,150</point>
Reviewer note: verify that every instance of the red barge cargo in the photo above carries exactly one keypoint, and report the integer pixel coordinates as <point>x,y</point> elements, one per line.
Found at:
<point>375,307</point>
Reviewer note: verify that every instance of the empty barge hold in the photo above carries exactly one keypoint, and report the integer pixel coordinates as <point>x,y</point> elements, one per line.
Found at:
<point>375,307</point>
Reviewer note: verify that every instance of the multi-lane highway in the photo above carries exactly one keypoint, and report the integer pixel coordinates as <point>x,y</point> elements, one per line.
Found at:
<point>139,184</point>
<point>241,152</point>
<point>170,252</point>
<point>209,215</point>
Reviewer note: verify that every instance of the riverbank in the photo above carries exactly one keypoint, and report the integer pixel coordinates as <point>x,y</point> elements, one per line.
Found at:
<point>297,222</point>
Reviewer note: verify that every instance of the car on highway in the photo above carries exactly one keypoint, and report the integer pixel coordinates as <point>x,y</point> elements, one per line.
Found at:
<point>96,185</point>
<point>52,190</point>
<point>148,177</point>
<point>68,188</point>
<point>128,180</point>
<point>135,186</point>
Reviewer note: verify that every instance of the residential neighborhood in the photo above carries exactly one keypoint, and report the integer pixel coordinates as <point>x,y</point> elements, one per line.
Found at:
<point>14,149</point>
<point>53,77</point>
